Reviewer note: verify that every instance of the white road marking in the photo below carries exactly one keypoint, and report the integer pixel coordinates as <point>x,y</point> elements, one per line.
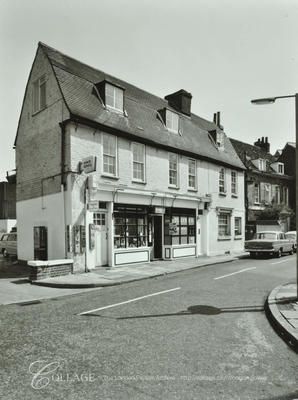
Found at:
<point>234,273</point>
<point>279,262</point>
<point>129,301</point>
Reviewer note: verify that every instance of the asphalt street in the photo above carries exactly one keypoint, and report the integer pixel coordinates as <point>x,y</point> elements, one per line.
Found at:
<point>197,334</point>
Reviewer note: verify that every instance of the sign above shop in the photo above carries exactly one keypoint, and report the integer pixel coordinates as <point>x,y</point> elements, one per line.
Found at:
<point>88,164</point>
<point>93,205</point>
<point>159,210</point>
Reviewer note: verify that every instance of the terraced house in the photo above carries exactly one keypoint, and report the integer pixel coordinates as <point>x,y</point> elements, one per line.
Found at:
<point>109,174</point>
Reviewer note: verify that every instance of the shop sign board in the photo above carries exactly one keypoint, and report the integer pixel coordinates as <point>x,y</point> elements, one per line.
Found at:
<point>159,210</point>
<point>93,205</point>
<point>88,164</point>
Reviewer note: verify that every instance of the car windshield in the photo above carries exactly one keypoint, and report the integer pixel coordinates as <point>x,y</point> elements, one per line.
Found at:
<point>266,235</point>
<point>290,235</point>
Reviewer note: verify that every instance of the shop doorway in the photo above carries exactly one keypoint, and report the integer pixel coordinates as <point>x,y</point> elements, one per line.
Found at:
<point>157,243</point>
<point>101,238</point>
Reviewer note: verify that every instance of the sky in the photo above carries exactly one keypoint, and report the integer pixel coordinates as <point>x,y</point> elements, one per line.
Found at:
<point>225,52</point>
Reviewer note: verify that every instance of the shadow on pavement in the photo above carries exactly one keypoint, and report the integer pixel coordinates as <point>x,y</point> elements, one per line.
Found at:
<point>192,310</point>
<point>203,310</point>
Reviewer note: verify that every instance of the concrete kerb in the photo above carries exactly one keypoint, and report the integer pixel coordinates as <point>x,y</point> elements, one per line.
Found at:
<point>120,282</point>
<point>278,322</point>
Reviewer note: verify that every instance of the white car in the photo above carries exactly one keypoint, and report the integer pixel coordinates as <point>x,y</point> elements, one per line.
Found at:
<point>292,236</point>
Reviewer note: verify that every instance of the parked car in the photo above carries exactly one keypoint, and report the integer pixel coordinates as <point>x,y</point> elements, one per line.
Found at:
<point>269,242</point>
<point>292,236</point>
<point>8,244</point>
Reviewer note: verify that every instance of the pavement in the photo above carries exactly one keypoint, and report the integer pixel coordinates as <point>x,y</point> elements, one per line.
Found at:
<point>15,286</point>
<point>282,311</point>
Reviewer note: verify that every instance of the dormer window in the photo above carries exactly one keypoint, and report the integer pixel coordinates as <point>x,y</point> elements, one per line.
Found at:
<point>172,121</point>
<point>39,94</point>
<point>278,167</point>
<point>262,165</point>
<point>114,97</point>
<point>220,139</point>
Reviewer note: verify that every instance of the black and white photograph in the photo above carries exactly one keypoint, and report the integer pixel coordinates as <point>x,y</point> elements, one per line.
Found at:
<point>148,211</point>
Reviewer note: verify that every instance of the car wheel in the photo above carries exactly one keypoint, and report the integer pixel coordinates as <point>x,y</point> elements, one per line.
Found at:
<point>278,254</point>
<point>291,252</point>
<point>5,254</point>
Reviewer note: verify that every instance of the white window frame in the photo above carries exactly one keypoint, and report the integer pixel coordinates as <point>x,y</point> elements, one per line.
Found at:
<point>267,192</point>
<point>113,104</point>
<point>238,228</point>
<point>262,164</point>
<point>222,181</point>
<point>234,183</point>
<point>220,139</point>
<point>257,194</point>
<point>137,162</point>
<point>277,193</point>
<point>227,225</point>
<point>192,175</point>
<point>106,154</point>
<point>37,94</point>
<point>170,115</point>
<point>175,185</point>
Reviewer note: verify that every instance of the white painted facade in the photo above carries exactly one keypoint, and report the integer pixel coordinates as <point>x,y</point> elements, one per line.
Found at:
<point>7,224</point>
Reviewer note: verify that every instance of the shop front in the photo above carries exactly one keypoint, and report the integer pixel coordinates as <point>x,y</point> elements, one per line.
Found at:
<point>146,233</point>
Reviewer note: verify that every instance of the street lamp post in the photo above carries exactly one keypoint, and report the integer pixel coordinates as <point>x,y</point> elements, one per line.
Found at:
<point>270,100</point>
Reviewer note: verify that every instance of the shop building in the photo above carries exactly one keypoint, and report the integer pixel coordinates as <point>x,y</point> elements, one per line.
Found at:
<point>108,174</point>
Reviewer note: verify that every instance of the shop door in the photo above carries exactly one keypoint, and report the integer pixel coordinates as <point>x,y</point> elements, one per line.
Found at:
<point>101,238</point>
<point>157,244</point>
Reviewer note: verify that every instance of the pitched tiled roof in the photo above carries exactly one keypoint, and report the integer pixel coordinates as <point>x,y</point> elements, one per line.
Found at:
<point>77,82</point>
<point>248,152</point>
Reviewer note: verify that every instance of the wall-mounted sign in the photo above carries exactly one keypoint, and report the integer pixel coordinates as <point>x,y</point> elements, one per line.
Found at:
<point>159,210</point>
<point>88,164</point>
<point>93,205</point>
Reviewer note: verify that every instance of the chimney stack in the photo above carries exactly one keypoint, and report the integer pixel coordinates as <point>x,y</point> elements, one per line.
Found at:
<point>180,101</point>
<point>263,144</point>
<point>216,120</point>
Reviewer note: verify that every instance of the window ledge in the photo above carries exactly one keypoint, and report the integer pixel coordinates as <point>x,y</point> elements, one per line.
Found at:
<point>238,238</point>
<point>222,238</point>
<point>139,182</point>
<point>110,176</point>
<point>192,190</point>
<point>174,187</point>
<point>222,193</point>
<point>234,195</point>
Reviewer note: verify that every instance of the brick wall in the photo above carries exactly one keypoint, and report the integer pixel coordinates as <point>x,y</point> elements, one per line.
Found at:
<point>49,271</point>
<point>38,145</point>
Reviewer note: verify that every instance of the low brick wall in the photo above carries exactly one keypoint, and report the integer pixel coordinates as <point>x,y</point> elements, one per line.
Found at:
<point>49,269</point>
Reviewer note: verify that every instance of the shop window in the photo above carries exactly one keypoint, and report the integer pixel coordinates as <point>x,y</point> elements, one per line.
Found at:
<point>224,224</point>
<point>180,229</point>
<point>130,228</point>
